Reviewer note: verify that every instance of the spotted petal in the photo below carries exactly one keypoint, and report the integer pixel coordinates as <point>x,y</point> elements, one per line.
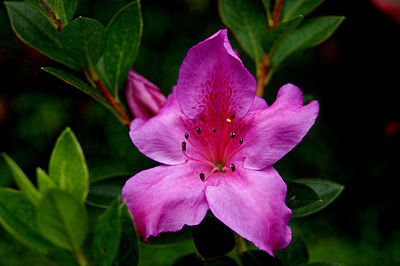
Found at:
<point>213,81</point>
<point>274,131</point>
<point>252,203</point>
<point>165,198</point>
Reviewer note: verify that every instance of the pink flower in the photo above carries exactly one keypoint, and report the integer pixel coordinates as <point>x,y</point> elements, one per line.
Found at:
<point>143,97</point>
<point>218,142</point>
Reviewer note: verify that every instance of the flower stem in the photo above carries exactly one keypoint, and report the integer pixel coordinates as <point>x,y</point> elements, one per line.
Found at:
<point>240,244</point>
<point>80,257</point>
<point>277,13</point>
<point>261,75</point>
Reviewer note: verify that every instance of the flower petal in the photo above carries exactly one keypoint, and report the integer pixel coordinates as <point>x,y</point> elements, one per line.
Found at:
<point>274,131</point>
<point>160,137</point>
<point>252,203</point>
<point>213,81</point>
<point>165,198</point>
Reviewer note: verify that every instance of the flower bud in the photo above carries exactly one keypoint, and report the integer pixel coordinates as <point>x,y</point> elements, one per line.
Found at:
<point>389,7</point>
<point>143,97</point>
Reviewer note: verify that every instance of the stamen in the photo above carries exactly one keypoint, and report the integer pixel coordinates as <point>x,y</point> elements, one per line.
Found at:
<point>186,135</point>
<point>233,168</point>
<point>183,146</point>
<point>228,120</point>
<point>202,177</point>
<point>198,130</point>
<point>241,140</point>
<point>233,134</point>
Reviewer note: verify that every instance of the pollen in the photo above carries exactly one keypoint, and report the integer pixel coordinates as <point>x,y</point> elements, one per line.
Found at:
<point>228,120</point>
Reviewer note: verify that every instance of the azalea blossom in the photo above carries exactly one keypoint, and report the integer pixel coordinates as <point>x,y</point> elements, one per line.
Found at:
<point>143,97</point>
<point>217,141</point>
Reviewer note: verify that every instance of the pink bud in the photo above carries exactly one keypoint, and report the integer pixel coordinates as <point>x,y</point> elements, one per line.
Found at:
<point>389,7</point>
<point>143,97</point>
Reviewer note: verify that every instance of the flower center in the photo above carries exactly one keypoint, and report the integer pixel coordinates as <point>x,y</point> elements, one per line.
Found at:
<point>214,146</point>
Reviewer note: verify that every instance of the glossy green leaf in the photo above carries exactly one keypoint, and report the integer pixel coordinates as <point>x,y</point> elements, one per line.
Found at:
<point>294,8</point>
<point>322,264</point>
<point>83,39</point>
<point>34,29</point>
<point>62,219</point>
<point>189,260</point>
<point>123,37</point>
<point>296,253</point>
<point>300,195</point>
<point>246,19</point>
<point>327,190</point>
<point>309,34</point>
<point>107,235</point>
<point>128,254</point>
<point>272,36</point>
<point>17,216</point>
<point>104,190</point>
<point>212,238</point>
<point>170,237</point>
<point>66,10</point>
<point>67,166</point>
<point>259,258</point>
<point>23,181</point>
<point>44,182</point>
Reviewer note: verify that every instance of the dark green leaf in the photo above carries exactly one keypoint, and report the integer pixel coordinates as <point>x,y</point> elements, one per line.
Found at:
<point>212,238</point>
<point>67,166</point>
<point>171,237</point>
<point>128,254</point>
<point>123,37</point>
<point>62,219</point>
<point>104,190</point>
<point>309,34</point>
<point>44,182</point>
<point>107,235</point>
<point>294,8</point>
<point>66,10</point>
<point>23,181</point>
<point>221,261</point>
<point>322,264</point>
<point>18,218</point>
<point>83,39</point>
<point>35,30</point>
<point>327,190</point>
<point>300,195</point>
<point>246,19</point>
<point>274,35</point>
<point>189,260</point>
<point>296,253</point>
<point>259,258</point>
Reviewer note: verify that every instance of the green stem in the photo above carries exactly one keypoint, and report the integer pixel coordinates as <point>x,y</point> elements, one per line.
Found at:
<point>240,244</point>
<point>80,257</point>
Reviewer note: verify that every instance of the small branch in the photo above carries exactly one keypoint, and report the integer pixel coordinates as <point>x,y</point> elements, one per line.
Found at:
<point>261,75</point>
<point>276,17</point>
<point>51,13</point>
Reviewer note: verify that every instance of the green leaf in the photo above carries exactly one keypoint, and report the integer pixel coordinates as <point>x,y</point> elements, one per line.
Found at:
<point>83,39</point>
<point>296,253</point>
<point>189,260</point>
<point>212,238</point>
<point>300,195</point>
<point>62,219</point>
<point>294,8</point>
<point>322,264</point>
<point>272,36</point>
<point>327,191</point>
<point>104,190</point>
<point>17,216</point>
<point>259,258</point>
<point>128,254</point>
<point>124,33</point>
<point>309,34</point>
<point>44,182</point>
<point>170,237</point>
<point>23,181</point>
<point>35,30</point>
<point>66,10</point>
<point>246,19</point>
<point>107,235</point>
<point>67,166</point>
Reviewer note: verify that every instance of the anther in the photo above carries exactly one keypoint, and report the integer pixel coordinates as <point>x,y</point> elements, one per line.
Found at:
<point>183,146</point>
<point>241,140</point>
<point>202,177</point>
<point>186,135</point>
<point>228,120</point>
<point>213,130</point>
<point>233,167</point>
<point>198,130</point>
<point>233,134</point>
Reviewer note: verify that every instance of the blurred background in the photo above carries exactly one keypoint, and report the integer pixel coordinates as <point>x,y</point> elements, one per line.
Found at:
<point>355,141</point>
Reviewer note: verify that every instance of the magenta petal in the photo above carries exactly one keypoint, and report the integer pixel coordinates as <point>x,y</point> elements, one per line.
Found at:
<point>274,131</point>
<point>213,81</point>
<point>165,198</point>
<point>160,138</point>
<point>252,203</point>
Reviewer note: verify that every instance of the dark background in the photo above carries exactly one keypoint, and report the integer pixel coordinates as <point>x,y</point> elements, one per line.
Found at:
<point>354,75</point>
